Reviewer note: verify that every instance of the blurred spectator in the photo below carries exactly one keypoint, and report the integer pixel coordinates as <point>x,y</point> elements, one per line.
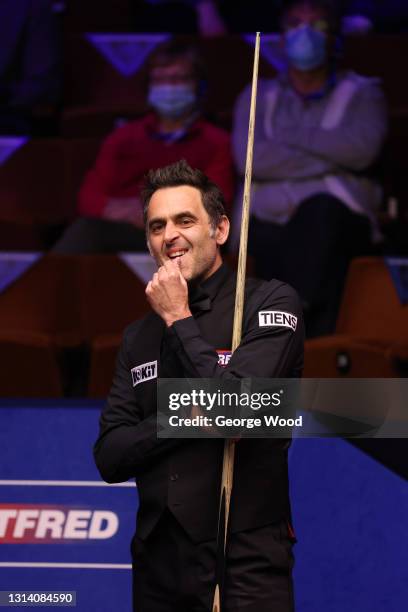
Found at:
<point>318,133</point>
<point>29,62</point>
<point>206,17</point>
<point>109,197</point>
<point>362,16</point>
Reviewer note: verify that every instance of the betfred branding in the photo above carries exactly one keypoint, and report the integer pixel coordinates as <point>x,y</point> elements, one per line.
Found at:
<point>224,357</point>
<point>143,372</point>
<point>277,318</point>
<point>33,524</point>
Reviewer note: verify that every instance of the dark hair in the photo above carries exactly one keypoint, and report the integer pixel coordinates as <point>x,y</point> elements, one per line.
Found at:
<point>175,50</point>
<point>329,7</point>
<point>179,174</point>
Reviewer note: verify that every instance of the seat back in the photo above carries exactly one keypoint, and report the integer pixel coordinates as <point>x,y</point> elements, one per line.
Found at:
<point>43,298</point>
<point>111,295</point>
<point>370,307</point>
<point>32,183</point>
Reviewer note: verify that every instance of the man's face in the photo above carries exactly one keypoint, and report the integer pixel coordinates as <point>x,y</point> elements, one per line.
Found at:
<point>303,14</point>
<point>173,90</point>
<point>179,228</point>
<point>180,72</point>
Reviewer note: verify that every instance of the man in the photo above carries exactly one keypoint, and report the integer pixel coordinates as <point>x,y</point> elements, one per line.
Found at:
<point>192,296</point>
<point>318,133</point>
<point>109,199</point>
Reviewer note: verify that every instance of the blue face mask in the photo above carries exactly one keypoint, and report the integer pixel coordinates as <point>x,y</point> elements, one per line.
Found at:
<point>172,101</point>
<point>305,47</point>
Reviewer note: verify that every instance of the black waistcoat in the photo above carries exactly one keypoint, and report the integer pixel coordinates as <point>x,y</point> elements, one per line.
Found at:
<point>187,477</point>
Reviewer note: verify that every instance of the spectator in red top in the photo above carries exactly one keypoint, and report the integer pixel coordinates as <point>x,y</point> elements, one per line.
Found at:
<point>109,203</point>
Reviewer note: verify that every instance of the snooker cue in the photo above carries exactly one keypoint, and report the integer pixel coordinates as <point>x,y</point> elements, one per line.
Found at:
<point>229,444</point>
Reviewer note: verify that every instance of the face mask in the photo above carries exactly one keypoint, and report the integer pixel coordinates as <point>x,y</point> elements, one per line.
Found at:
<point>305,47</point>
<point>171,101</point>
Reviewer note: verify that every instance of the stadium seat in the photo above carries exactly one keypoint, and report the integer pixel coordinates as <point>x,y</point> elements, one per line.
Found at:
<point>112,296</point>
<point>371,331</point>
<point>60,310</point>
<point>41,300</point>
<point>91,80</point>
<point>104,349</point>
<point>93,121</point>
<point>20,236</point>
<point>32,182</point>
<point>39,184</point>
<point>80,154</point>
<point>29,365</point>
<point>378,55</point>
<point>39,318</point>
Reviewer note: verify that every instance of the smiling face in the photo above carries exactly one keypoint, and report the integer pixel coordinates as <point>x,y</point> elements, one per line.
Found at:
<point>178,227</point>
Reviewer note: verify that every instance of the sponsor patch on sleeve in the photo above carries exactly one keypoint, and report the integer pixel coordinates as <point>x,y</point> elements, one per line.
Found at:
<point>277,318</point>
<point>143,372</point>
<point>224,356</point>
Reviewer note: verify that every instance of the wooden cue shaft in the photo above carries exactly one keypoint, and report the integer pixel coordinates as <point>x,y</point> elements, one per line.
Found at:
<point>229,445</point>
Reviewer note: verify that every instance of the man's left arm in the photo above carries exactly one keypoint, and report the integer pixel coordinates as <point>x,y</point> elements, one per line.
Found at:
<point>355,142</point>
<point>271,345</point>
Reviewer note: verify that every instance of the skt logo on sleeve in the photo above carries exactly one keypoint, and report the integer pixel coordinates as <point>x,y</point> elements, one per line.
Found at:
<point>143,372</point>
<point>277,318</point>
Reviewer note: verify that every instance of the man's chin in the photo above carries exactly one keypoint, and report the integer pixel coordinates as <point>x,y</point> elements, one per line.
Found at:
<point>186,274</point>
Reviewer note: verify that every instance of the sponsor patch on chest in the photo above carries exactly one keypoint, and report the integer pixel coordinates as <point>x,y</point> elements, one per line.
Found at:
<point>143,372</point>
<point>277,318</point>
<point>224,355</point>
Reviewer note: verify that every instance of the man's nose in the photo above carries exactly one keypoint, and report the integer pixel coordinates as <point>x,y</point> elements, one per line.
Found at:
<point>171,232</point>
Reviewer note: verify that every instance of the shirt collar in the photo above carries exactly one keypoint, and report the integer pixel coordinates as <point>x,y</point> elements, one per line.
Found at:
<point>201,295</point>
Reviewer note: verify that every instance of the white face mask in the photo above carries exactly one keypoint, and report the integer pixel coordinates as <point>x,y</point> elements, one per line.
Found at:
<point>172,101</point>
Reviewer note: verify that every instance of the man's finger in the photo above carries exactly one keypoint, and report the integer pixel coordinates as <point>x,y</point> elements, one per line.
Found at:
<point>178,267</point>
<point>169,264</point>
<point>172,267</point>
<point>162,272</point>
<point>155,281</point>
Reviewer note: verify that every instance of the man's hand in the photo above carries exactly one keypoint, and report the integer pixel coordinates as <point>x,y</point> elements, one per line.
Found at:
<point>167,293</point>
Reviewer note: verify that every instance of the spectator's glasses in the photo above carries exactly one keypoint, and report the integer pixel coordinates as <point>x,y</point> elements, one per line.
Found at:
<point>320,25</point>
<point>174,79</point>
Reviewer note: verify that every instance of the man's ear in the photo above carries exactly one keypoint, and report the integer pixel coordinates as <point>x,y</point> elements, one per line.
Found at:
<point>222,231</point>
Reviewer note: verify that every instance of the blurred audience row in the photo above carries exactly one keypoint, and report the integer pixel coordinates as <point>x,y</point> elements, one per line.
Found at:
<point>34,33</point>
<point>319,135</point>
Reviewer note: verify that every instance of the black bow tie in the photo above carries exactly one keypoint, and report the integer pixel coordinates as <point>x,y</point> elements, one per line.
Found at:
<point>198,299</point>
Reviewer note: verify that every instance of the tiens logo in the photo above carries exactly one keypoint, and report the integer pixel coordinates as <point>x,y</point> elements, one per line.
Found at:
<point>26,524</point>
<point>277,318</point>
